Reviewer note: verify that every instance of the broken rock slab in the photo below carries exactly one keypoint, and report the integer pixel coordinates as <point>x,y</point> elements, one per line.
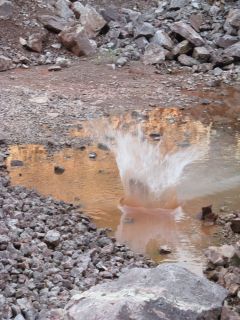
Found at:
<point>168,291</point>
<point>154,54</point>
<point>63,10</point>
<point>162,38</point>
<point>5,63</point>
<point>201,53</point>
<point>74,38</point>
<point>144,30</point>
<point>233,51</point>
<point>52,23</point>
<point>186,60</point>
<point>188,33</point>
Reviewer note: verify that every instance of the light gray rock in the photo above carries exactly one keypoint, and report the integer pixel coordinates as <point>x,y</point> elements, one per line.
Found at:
<point>5,63</point>
<point>233,18</point>
<point>52,23</point>
<point>154,54</point>
<point>77,8</point>
<point>166,292</point>
<point>63,62</point>
<point>52,237</point>
<point>178,4</point>
<point>6,9</point>
<point>226,41</point>
<point>201,53</point>
<point>162,38</point>
<point>144,30</point>
<point>187,60</point>
<point>63,10</point>
<point>188,33</point>
<point>74,38</point>
<point>92,21</point>
<point>182,47</point>
<point>233,51</point>
<point>121,61</point>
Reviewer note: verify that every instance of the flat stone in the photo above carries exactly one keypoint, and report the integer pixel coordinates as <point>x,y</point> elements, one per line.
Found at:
<point>165,249</point>
<point>226,41</point>
<point>16,163</point>
<point>201,53</point>
<point>187,60</point>
<point>74,38</point>
<point>53,23</point>
<point>196,20</point>
<point>54,68</point>
<point>162,38</point>
<point>6,9</point>
<point>166,292</point>
<point>188,33</point>
<point>154,54</point>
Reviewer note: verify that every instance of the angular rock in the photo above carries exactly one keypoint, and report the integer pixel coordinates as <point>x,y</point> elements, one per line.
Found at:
<point>196,20</point>
<point>226,41</point>
<point>188,33</point>
<point>54,68</point>
<point>59,169</point>
<point>187,60</point>
<point>235,225</point>
<point>52,237</point>
<point>74,38</point>
<point>228,314</point>
<point>233,51</point>
<point>6,9</point>
<point>201,53</point>
<point>162,38</point>
<point>63,62</point>
<point>63,10</point>
<point>35,42</point>
<point>110,13</point>
<point>166,292</point>
<point>221,58</point>
<point>121,61</point>
<point>182,47</point>
<point>92,21</point>
<point>77,8</point>
<point>144,30</point>
<point>178,4</point>
<point>5,63</point>
<point>52,23</point>
<point>165,249</point>
<point>154,54</point>
<point>16,163</point>
<point>233,18</point>
<point>141,43</point>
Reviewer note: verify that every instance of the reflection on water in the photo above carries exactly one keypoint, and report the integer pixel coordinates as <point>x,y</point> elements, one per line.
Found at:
<point>212,179</point>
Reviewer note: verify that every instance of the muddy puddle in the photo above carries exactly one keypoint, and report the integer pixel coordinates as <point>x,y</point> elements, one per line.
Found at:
<point>212,177</point>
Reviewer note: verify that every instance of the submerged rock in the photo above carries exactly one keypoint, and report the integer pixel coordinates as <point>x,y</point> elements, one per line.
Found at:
<point>166,292</point>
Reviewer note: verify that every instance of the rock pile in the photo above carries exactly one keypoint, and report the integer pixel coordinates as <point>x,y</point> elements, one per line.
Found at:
<point>48,251</point>
<point>195,34</point>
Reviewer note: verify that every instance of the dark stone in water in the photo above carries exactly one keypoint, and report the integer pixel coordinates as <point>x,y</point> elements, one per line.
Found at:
<point>235,225</point>
<point>208,215</point>
<point>16,163</point>
<point>92,155</point>
<point>59,169</point>
<point>102,146</point>
<point>165,249</point>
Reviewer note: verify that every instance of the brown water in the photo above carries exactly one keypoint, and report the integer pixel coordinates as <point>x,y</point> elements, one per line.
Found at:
<point>97,186</point>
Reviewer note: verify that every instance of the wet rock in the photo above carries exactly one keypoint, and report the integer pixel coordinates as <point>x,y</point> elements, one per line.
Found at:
<point>52,23</point>
<point>154,54</point>
<point>182,47</point>
<point>233,51</point>
<point>201,53</point>
<point>6,9</point>
<point>162,38</point>
<point>75,39</point>
<point>54,68</point>
<point>5,63</point>
<point>144,30</point>
<point>103,146</point>
<point>92,155</point>
<point>168,291</point>
<point>226,41</point>
<point>17,163</point>
<point>165,249</point>
<point>186,60</point>
<point>235,225</point>
<point>188,33</point>
<point>63,10</point>
<point>59,169</point>
<point>208,215</point>
<point>52,238</point>
<point>92,21</point>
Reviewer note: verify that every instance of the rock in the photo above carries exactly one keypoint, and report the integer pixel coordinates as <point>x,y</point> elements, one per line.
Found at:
<point>178,4</point>
<point>226,41</point>
<point>59,169</point>
<point>233,51</point>
<point>165,249</point>
<point>182,47</point>
<point>5,63</point>
<point>92,21</point>
<point>6,9</point>
<point>19,317</point>
<point>54,68</point>
<point>141,43</point>
<point>201,53</point>
<point>207,214</point>
<point>166,292</point>
<point>35,42</point>
<point>235,225</point>
<point>228,314</point>
<point>63,62</point>
<point>92,155</point>
<point>162,38</point>
<point>52,23</point>
<point>16,163</point>
<point>221,58</point>
<point>217,71</point>
<point>144,30</point>
<point>196,20</point>
<point>63,10</point>
<point>77,8</point>
<point>233,18</point>
<point>154,54</point>
<point>52,238</point>
<point>187,60</point>
<point>110,13</point>
<point>74,38</point>
<point>121,61</point>
<point>188,33</point>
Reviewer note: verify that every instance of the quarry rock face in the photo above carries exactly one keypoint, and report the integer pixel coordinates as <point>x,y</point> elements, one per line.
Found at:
<point>166,292</point>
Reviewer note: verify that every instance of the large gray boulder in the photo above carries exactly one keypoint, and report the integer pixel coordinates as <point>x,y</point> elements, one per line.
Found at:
<point>167,292</point>
<point>6,9</point>
<point>188,33</point>
<point>233,51</point>
<point>154,54</point>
